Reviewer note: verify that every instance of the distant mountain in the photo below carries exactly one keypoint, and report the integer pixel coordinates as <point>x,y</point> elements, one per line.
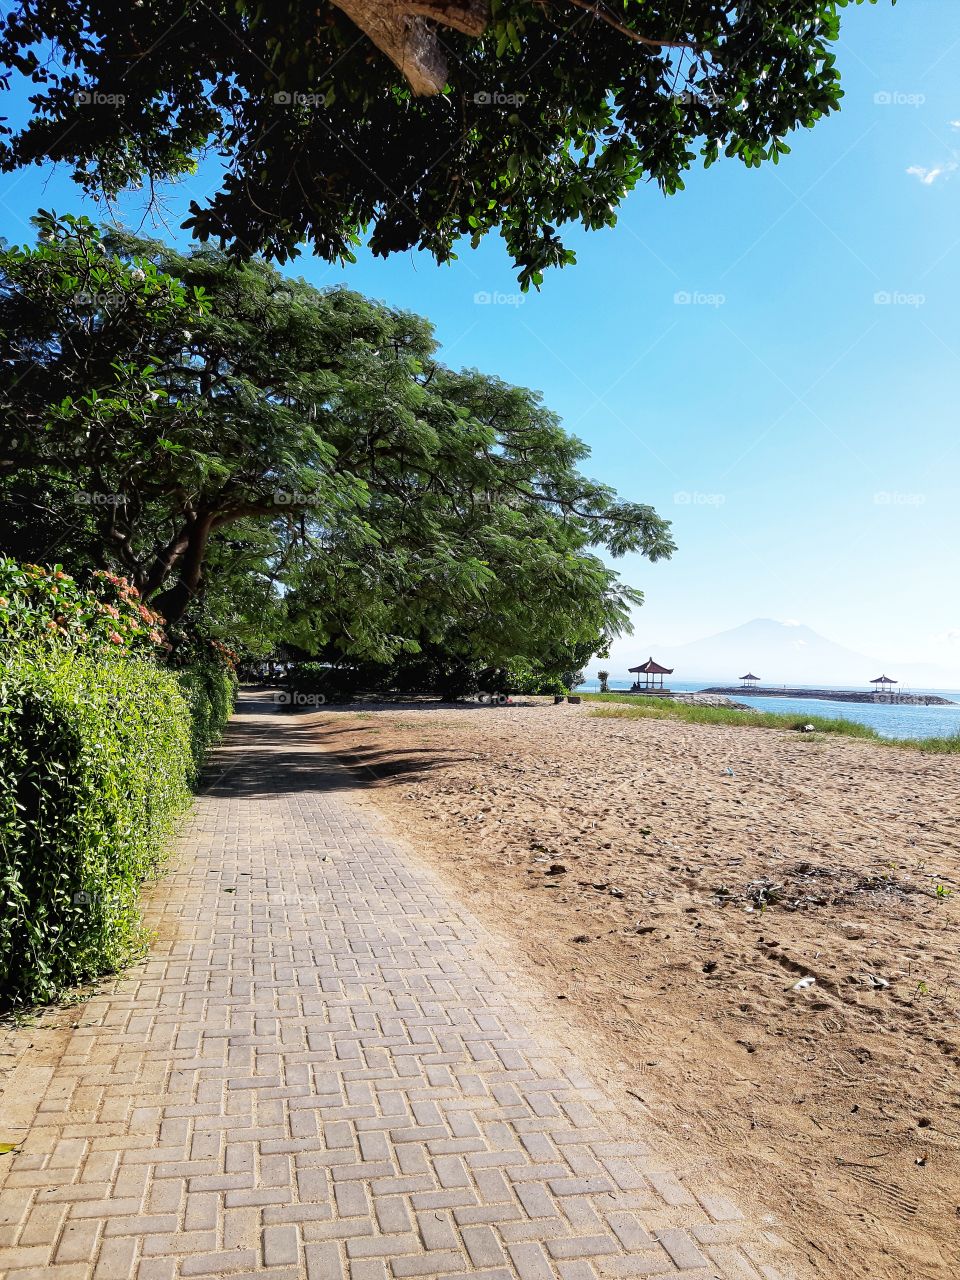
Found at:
<point>779,653</point>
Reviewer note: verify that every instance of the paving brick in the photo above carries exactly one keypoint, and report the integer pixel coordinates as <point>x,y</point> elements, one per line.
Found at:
<point>211,1264</point>
<point>430,1264</point>
<point>368,1269</point>
<point>482,1246</point>
<point>681,1248</point>
<point>116,1259</point>
<point>43,1224</point>
<point>78,1242</point>
<point>576,1269</point>
<point>392,1214</point>
<point>323,1262</point>
<point>351,1200</point>
<point>629,1231</point>
<point>530,1261</point>
<point>582,1247</point>
<point>383,1246</point>
<point>280,1245</point>
<point>437,1230</point>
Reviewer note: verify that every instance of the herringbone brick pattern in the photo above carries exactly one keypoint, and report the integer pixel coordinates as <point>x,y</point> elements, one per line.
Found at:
<point>321,1071</point>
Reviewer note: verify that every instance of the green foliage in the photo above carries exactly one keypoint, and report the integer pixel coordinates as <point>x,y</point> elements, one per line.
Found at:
<point>551,116</point>
<point>313,683</point>
<point>94,765</point>
<point>530,678</point>
<point>297,464</point>
<point>209,690</point>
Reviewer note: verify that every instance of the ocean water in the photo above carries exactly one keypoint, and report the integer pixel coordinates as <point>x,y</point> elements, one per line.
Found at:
<point>888,719</point>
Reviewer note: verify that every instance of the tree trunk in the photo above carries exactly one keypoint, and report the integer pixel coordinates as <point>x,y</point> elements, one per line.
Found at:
<point>173,602</point>
<point>405,30</point>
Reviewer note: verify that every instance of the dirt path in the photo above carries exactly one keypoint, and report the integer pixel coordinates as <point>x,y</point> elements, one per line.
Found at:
<point>673,882</point>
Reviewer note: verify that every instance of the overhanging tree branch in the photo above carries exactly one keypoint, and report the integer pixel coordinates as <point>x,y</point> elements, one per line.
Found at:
<point>603,13</point>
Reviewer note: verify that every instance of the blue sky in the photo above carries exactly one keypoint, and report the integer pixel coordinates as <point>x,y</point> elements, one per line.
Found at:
<point>769,357</point>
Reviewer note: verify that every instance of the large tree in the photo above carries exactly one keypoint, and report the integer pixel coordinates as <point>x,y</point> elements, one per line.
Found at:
<point>178,416</point>
<point>415,122</point>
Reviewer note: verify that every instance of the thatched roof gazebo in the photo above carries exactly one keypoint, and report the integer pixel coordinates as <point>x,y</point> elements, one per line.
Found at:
<point>650,670</point>
<point>748,680</point>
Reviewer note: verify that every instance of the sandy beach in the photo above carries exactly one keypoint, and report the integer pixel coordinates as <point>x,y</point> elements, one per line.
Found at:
<point>670,884</point>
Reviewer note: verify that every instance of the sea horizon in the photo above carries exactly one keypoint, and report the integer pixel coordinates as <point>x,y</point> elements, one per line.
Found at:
<point>889,719</point>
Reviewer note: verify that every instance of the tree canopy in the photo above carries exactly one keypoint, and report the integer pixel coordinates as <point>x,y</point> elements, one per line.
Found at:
<point>413,122</point>
<point>220,433</point>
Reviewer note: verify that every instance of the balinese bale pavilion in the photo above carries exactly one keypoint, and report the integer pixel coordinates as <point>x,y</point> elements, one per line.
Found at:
<point>749,680</point>
<point>884,683</point>
<point>650,671</point>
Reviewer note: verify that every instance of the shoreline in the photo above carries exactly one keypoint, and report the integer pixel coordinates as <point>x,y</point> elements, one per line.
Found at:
<point>837,695</point>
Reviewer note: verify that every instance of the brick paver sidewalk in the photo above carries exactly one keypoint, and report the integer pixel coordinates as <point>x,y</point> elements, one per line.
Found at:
<point>322,1071</point>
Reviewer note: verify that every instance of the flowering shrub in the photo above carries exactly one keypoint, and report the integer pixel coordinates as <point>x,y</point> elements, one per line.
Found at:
<point>46,608</point>
<point>193,646</point>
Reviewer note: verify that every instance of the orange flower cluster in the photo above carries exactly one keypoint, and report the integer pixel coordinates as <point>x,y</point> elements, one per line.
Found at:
<point>39,601</point>
<point>229,657</point>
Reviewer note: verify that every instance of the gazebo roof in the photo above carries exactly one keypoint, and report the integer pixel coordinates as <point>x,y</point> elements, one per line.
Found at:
<point>652,668</point>
<point>748,676</point>
<point>884,680</point>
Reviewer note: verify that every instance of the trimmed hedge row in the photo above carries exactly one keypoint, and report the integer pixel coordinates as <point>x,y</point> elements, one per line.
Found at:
<point>97,758</point>
<point>209,692</point>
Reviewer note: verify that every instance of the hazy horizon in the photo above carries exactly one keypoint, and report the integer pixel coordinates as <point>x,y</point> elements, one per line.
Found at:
<point>779,651</point>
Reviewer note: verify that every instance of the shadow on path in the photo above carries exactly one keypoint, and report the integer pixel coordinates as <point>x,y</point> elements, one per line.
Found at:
<point>250,763</point>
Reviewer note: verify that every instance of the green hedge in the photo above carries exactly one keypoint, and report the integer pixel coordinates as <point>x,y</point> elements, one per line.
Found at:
<point>97,755</point>
<point>209,692</point>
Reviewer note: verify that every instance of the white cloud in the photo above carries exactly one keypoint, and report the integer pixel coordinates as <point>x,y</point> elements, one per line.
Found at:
<point>954,124</point>
<point>929,176</point>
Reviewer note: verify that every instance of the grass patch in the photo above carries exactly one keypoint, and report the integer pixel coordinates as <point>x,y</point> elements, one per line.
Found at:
<point>641,708</point>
